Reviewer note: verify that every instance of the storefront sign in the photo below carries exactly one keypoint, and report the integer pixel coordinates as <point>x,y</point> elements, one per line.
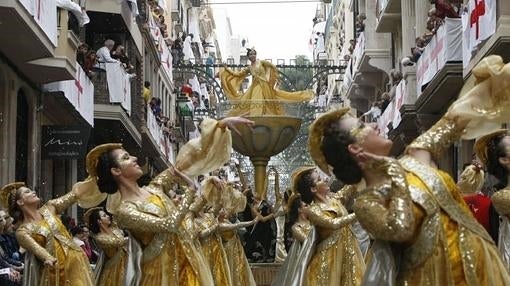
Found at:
<point>64,142</point>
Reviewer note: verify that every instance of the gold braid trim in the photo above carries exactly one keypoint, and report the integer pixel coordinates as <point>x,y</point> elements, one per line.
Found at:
<point>316,134</point>
<point>8,191</point>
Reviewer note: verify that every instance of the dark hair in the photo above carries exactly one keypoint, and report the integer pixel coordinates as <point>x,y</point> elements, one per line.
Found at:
<point>304,185</point>
<point>77,230</point>
<point>93,218</point>
<point>334,147</point>
<point>248,51</point>
<point>105,181</point>
<point>294,211</point>
<point>13,208</point>
<point>147,84</point>
<point>496,150</point>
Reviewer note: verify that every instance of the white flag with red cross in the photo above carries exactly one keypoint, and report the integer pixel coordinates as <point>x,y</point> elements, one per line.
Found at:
<point>478,23</point>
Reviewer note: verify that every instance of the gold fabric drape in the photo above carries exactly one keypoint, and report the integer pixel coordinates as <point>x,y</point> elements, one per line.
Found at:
<point>263,87</point>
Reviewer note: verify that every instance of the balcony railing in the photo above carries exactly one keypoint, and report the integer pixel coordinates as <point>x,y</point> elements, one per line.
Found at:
<point>445,46</point>
<point>162,138</point>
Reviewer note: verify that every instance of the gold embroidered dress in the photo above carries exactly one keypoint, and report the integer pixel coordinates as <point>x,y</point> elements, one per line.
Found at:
<point>238,264</point>
<point>337,259</point>
<point>293,270</point>
<point>212,249</point>
<point>501,202</point>
<point>169,255</point>
<point>263,87</point>
<point>47,239</point>
<point>114,246</point>
<point>422,214</point>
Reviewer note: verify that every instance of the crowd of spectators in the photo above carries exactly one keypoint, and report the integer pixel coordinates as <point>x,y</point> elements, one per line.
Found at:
<point>92,61</point>
<point>442,9</point>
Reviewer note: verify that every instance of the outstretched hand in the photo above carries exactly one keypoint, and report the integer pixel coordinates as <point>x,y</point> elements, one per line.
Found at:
<point>178,174</point>
<point>232,122</point>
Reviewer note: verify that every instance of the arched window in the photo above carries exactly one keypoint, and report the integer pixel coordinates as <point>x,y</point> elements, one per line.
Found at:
<point>22,137</point>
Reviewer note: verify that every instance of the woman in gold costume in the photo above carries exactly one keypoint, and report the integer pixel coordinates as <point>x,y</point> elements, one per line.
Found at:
<point>263,89</point>
<point>234,202</point>
<point>493,150</point>
<point>206,224</point>
<point>52,256</point>
<point>111,266</point>
<point>337,259</point>
<point>293,269</point>
<point>169,256</point>
<point>409,205</point>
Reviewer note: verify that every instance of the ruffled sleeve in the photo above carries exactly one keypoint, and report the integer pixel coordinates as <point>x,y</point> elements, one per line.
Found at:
<point>485,99</point>
<point>206,153</point>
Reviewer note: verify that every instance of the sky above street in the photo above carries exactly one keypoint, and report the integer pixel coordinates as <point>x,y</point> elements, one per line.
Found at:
<point>276,30</point>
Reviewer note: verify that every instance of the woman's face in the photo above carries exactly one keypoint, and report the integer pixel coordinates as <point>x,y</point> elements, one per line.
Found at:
<point>367,136</point>
<point>127,165</point>
<point>321,184</point>
<point>104,218</point>
<point>505,145</point>
<point>252,56</point>
<point>27,197</point>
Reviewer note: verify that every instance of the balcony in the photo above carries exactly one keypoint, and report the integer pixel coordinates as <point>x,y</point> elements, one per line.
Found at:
<point>157,142</point>
<point>115,110</point>
<point>37,34</point>
<point>367,68</point>
<point>439,70</point>
<point>488,40</point>
<point>398,121</point>
<point>388,15</point>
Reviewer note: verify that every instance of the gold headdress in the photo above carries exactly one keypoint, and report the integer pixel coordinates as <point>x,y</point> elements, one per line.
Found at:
<point>6,192</point>
<point>296,174</point>
<point>93,196</point>
<point>94,154</point>
<point>482,145</point>
<point>86,215</point>
<point>316,134</point>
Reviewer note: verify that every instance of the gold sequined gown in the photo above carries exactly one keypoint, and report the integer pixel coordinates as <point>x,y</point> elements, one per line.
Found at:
<point>241,274</point>
<point>293,270</point>
<point>501,202</point>
<point>337,259</point>
<point>48,238</point>
<point>114,246</point>
<point>263,87</point>
<point>169,256</point>
<point>422,214</point>
<point>213,250</point>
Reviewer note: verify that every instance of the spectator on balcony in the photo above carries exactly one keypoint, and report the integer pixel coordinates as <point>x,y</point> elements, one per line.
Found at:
<point>374,113</point>
<point>385,101</point>
<point>90,63</point>
<point>146,92</point>
<point>103,54</point>
<point>119,54</point>
<point>79,12</point>
<point>176,51</point>
<point>416,54</point>
<point>81,54</point>
<point>447,8</point>
<point>205,101</point>
<point>360,23</point>
<point>156,107</point>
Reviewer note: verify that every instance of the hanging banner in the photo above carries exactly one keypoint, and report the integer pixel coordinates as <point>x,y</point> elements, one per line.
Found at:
<point>445,46</point>
<point>399,101</point>
<point>478,24</point>
<point>44,13</point>
<point>64,142</point>
<point>162,139</point>
<point>79,92</point>
<point>386,118</point>
<point>119,85</point>
<point>165,57</point>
